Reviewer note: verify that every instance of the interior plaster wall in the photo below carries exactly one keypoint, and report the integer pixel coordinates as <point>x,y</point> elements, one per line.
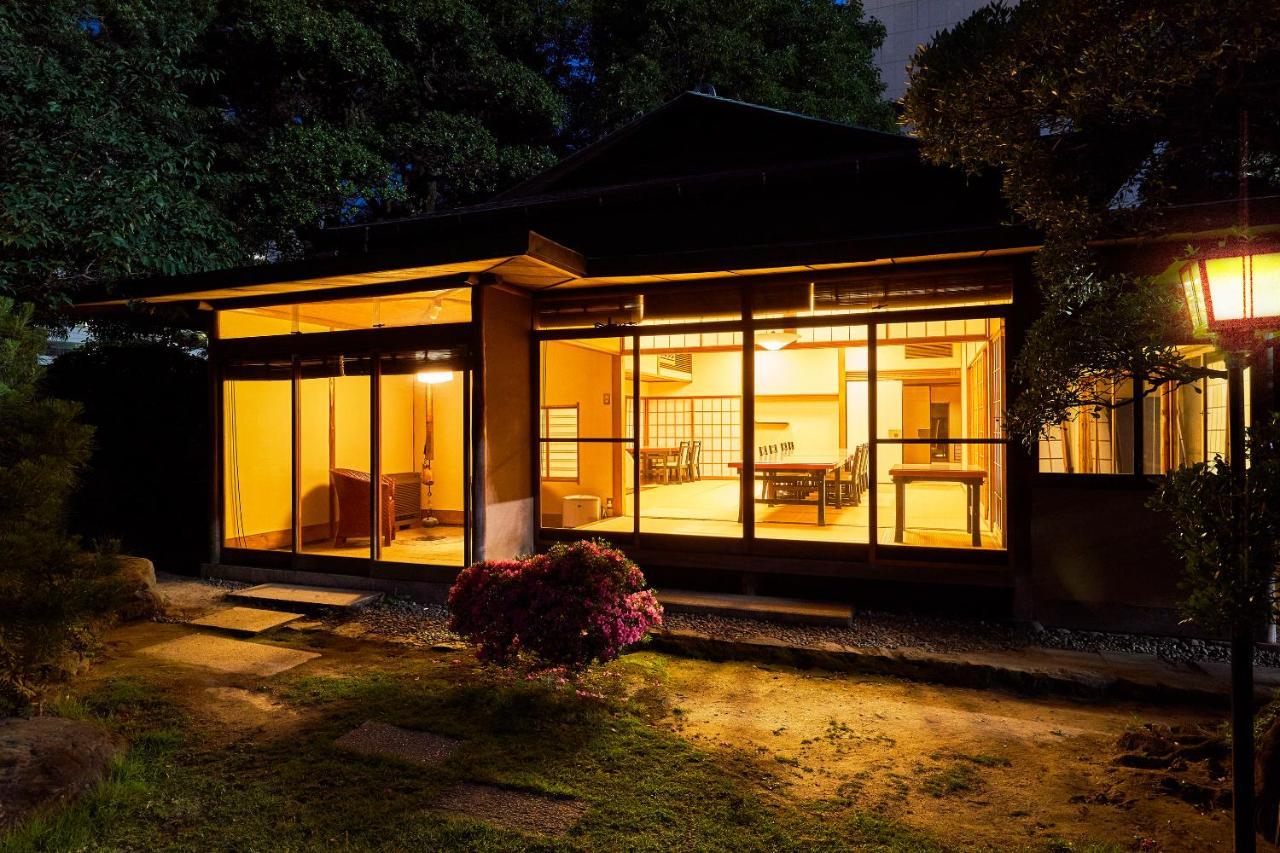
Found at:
<point>585,376</point>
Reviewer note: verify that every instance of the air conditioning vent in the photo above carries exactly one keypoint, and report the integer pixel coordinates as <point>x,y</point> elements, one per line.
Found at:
<point>680,362</point>
<point>929,350</point>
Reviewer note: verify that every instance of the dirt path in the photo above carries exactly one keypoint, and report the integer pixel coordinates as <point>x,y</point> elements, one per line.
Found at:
<point>976,767</point>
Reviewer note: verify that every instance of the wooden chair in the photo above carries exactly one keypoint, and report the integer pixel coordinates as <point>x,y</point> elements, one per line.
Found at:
<point>695,461</point>
<point>352,490</point>
<point>677,464</point>
<point>860,474</point>
<point>847,493</point>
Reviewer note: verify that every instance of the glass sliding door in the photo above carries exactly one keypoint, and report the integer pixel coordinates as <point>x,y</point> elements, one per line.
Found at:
<point>690,433</point>
<point>422,451</point>
<point>334,456</point>
<point>939,476</point>
<point>349,457</point>
<point>257,455</point>
<point>811,442</point>
<point>585,438</point>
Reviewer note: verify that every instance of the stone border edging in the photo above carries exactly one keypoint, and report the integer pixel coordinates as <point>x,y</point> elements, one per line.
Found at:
<point>1033,671</point>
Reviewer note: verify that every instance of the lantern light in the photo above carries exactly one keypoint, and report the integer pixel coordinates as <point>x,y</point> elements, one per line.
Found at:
<point>1236,292</point>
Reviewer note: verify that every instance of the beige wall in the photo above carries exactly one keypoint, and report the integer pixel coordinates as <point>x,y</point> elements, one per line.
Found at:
<point>508,483</point>
<point>256,457</point>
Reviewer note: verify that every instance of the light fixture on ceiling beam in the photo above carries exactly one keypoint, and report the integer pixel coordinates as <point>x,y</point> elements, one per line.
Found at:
<point>777,339</point>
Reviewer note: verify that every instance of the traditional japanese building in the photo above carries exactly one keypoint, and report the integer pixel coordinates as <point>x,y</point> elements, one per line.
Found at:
<point>759,351</point>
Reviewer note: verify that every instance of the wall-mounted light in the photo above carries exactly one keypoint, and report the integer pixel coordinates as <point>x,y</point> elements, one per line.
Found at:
<point>774,341</point>
<point>434,377</point>
<point>434,311</point>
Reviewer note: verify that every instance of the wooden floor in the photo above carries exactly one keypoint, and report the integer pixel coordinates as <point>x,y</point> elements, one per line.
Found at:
<point>439,546</point>
<point>935,516</point>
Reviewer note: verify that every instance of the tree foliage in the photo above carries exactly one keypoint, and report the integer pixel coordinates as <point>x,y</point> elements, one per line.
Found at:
<point>810,56</point>
<point>1101,115</point>
<point>1227,530</point>
<point>48,589</point>
<point>338,112</point>
<point>106,169</point>
<point>142,136</point>
<point>148,400</point>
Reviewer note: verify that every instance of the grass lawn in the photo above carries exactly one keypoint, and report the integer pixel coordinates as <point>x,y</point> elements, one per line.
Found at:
<point>665,753</point>
<point>190,782</point>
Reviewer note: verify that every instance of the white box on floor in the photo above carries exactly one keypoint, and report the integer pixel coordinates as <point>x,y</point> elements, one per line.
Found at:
<point>580,509</point>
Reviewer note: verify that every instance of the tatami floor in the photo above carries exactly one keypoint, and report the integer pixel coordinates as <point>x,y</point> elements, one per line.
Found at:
<point>935,516</point>
<point>441,545</point>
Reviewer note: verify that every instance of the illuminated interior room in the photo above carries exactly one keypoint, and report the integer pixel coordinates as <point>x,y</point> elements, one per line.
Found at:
<point>319,469</point>
<point>938,446</point>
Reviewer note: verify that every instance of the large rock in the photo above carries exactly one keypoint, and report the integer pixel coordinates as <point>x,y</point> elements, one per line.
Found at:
<point>141,598</point>
<point>50,760</point>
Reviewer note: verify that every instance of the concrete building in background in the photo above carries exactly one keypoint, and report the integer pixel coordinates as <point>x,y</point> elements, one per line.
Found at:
<point>908,24</point>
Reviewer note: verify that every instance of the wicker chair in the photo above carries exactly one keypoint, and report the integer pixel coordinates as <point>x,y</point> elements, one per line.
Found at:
<point>352,490</point>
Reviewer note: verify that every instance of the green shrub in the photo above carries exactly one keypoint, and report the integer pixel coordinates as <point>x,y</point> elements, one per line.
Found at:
<point>50,592</point>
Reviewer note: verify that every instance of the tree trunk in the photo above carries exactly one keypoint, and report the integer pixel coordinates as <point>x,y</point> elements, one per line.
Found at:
<point>1267,786</point>
<point>1242,795</point>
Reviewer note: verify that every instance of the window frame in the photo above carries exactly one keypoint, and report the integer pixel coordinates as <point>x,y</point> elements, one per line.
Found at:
<point>1137,430</point>
<point>748,326</point>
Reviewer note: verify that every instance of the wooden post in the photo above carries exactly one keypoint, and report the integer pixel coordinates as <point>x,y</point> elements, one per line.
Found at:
<point>1242,781</point>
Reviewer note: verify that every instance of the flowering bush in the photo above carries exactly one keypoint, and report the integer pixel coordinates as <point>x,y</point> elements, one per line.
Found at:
<point>573,605</point>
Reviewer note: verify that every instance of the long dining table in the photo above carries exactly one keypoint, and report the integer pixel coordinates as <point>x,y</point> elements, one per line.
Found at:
<point>802,473</point>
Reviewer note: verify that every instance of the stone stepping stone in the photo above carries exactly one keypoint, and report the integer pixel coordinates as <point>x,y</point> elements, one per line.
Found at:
<point>389,741</point>
<point>245,620</point>
<point>518,810</point>
<point>227,655</point>
<point>288,596</point>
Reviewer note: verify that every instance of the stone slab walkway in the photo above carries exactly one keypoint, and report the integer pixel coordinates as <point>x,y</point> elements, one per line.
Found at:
<point>1031,670</point>
<point>510,809</point>
<point>388,741</point>
<point>224,654</point>
<point>245,620</point>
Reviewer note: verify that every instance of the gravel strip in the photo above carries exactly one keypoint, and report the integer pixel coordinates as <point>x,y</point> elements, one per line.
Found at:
<point>406,621</point>
<point>875,629</point>
<point>220,583</point>
<point>425,625</point>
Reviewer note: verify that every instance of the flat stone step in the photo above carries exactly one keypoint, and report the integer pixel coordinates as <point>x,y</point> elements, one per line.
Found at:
<point>789,610</point>
<point>522,811</point>
<point>387,741</point>
<point>246,621</point>
<point>303,599</point>
<point>239,657</point>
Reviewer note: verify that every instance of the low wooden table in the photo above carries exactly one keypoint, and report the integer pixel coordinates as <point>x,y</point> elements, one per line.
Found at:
<point>809,471</point>
<point>972,478</point>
